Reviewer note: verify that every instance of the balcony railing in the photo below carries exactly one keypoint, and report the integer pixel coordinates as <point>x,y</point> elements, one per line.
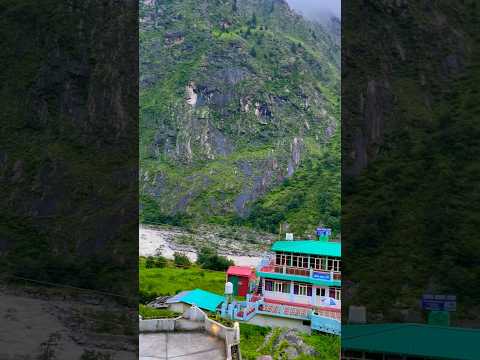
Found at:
<point>270,267</point>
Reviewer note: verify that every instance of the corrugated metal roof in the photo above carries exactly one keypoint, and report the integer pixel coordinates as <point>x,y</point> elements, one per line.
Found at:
<point>176,298</point>
<point>421,340</point>
<point>312,247</point>
<point>203,299</point>
<point>241,271</point>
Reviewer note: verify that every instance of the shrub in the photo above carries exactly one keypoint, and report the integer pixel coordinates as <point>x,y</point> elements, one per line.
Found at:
<point>150,262</point>
<point>209,259</point>
<point>161,262</point>
<point>148,312</point>
<point>181,260</point>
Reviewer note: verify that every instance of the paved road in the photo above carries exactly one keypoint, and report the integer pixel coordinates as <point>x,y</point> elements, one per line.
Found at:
<point>181,346</point>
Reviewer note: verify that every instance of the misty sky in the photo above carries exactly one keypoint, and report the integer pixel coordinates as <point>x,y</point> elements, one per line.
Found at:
<point>309,7</point>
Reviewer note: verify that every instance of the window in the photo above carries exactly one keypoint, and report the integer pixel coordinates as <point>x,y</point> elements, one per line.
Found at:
<point>279,286</point>
<point>282,259</point>
<point>289,259</point>
<point>300,261</point>
<point>268,285</point>
<point>321,292</point>
<point>333,264</point>
<point>278,258</point>
<point>305,262</point>
<point>320,263</point>
<point>338,294</point>
<point>294,260</point>
<point>302,289</point>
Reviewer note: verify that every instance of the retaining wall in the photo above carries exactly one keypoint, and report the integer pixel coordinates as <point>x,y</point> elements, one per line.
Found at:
<point>194,319</point>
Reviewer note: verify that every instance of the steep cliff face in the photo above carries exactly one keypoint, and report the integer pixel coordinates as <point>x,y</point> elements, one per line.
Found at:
<point>234,95</point>
<point>409,192</point>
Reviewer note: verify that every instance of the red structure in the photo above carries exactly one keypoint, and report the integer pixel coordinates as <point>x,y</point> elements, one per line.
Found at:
<point>242,278</point>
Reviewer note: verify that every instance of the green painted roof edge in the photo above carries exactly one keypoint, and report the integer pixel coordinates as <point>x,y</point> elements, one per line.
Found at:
<point>299,278</point>
<point>382,329</point>
<point>332,249</point>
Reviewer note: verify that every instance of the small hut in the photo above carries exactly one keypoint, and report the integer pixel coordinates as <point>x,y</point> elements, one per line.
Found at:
<point>242,278</point>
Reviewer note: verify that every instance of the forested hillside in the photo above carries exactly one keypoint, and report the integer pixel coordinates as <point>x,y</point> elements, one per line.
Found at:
<point>66,115</point>
<point>239,115</point>
<point>411,136</point>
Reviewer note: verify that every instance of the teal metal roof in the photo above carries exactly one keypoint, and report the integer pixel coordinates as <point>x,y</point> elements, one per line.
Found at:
<point>203,299</point>
<point>306,279</point>
<point>420,340</point>
<point>312,247</point>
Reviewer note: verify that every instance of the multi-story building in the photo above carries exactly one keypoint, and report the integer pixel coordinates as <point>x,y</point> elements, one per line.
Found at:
<point>303,274</point>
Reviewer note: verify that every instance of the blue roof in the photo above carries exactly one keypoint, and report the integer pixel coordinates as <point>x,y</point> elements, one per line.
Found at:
<point>203,299</point>
<point>312,247</point>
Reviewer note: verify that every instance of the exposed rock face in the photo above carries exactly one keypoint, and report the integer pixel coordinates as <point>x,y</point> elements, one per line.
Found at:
<point>233,102</point>
<point>380,108</point>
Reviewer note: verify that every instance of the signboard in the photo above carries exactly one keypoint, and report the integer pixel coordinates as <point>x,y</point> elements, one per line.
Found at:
<point>288,236</point>
<point>439,318</point>
<point>321,276</point>
<point>439,302</point>
<point>324,232</point>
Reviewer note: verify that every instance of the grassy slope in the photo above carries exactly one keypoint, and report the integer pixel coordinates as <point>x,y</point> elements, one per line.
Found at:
<point>169,280</point>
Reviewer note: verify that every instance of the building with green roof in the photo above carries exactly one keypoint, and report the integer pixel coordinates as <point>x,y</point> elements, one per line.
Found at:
<point>303,274</point>
<point>409,342</point>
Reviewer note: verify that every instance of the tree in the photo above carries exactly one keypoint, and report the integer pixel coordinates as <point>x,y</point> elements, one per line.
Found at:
<point>150,263</point>
<point>181,260</point>
<point>253,52</point>
<point>209,259</point>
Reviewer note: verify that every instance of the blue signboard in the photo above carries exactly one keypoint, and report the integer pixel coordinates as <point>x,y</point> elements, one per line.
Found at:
<point>324,232</point>
<point>321,276</point>
<point>439,302</point>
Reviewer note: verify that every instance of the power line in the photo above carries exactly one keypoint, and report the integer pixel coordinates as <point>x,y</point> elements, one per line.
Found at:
<point>66,286</point>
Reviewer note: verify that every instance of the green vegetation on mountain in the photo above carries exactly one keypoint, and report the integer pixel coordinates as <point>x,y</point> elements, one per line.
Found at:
<point>239,110</point>
<point>68,154</point>
<point>410,204</point>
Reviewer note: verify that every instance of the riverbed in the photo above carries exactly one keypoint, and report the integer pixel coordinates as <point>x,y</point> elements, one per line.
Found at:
<point>156,242</point>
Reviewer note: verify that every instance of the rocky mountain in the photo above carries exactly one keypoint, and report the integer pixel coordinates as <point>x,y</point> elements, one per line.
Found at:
<point>234,96</point>
<point>409,144</point>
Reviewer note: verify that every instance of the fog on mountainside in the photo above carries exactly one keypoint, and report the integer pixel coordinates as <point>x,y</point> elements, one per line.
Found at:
<point>318,10</point>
